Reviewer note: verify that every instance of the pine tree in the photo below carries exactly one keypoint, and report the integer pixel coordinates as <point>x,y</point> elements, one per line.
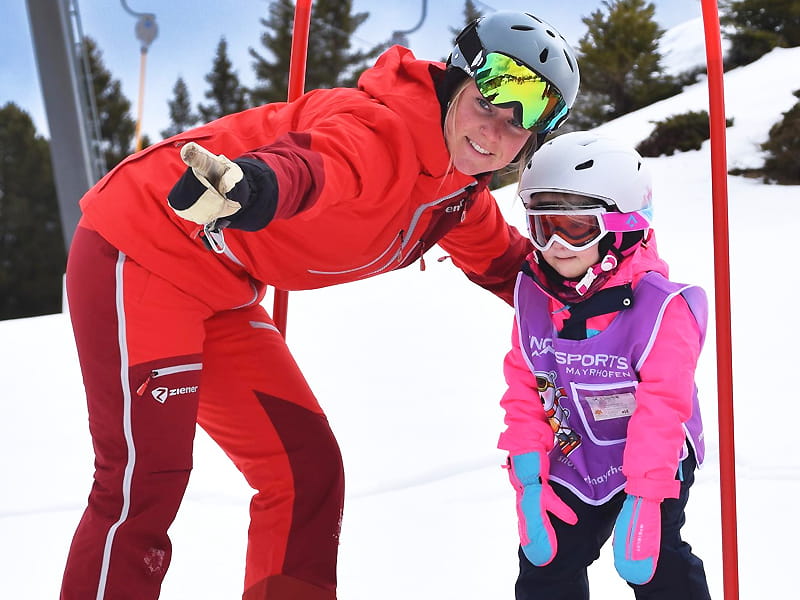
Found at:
<point>620,64</point>
<point>180,110</point>
<point>330,62</point>
<point>273,76</point>
<point>226,94</point>
<point>117,127</point>
<point>471,13</point>
<point>783,148</point>
<point>32,255</point>
<point>757,26</point>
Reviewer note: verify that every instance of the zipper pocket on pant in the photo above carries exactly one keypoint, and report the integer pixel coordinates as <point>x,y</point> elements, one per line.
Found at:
<point>156,373</point>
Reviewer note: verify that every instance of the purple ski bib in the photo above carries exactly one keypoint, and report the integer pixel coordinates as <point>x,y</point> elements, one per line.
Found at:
<point>588,387</point>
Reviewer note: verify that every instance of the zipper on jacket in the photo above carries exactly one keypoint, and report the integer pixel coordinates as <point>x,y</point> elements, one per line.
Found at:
<point>214,238</point>
<point>386,255</point>
<point>404,236</point>
<point>211,243</point>
<point>156,373</point>
<point>398,255</point>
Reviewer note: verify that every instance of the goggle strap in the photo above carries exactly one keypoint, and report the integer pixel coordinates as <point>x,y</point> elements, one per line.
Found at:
<point>633,221</point>
<point>470,45</point>
<point>607,223</point>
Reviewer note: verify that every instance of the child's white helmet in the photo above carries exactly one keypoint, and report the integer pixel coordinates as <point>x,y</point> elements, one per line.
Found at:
<point>589,164</point>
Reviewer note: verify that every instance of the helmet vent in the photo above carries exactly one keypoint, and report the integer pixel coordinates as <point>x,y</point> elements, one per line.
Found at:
<point>522,28</point>
<point>569,61</point>
<point>534,17</point>
<point>543,55</point>
<point>585,165</point>
<point>550,33</point>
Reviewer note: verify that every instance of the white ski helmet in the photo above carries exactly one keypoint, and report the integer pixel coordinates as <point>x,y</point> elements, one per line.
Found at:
<point>588,164</point>
<point>530,42</point>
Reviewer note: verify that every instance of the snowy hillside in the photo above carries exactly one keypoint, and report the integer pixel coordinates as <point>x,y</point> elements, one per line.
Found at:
<point>683,47</point>
<point>408,367</point>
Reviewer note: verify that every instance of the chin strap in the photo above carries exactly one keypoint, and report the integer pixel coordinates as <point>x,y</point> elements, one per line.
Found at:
<point>609,263</point>
<point>569,291</point>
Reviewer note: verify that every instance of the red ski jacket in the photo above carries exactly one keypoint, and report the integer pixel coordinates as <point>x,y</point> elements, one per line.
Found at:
<point>365,186</point>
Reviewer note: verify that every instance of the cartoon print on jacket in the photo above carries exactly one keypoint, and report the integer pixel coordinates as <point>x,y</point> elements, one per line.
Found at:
<point>558,416</point>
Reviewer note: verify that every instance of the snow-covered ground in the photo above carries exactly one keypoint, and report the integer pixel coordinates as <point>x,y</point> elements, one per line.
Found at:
<point>408,368</point>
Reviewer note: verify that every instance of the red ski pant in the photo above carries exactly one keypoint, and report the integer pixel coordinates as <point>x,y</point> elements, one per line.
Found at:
<point>155,362</point>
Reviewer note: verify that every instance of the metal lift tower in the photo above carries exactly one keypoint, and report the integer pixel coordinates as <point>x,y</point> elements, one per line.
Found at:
<point>71,115</point>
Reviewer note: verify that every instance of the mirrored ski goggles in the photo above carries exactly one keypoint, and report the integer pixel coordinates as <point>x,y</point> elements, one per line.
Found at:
<point>581,229</point>
<point>505,82</point>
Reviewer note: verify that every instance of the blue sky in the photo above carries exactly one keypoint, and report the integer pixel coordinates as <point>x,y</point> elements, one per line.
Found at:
<point>189,31</point>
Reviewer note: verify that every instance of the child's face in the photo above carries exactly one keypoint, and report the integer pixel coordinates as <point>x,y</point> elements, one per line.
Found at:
<point>569,263</point>
<point>480,136</point>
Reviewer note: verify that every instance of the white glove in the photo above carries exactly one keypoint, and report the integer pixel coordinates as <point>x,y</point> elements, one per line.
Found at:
<point>218,174</point>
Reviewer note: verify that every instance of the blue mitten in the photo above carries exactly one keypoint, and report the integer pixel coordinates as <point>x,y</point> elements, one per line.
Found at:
<point>637,538</point>
<point>535,498</point>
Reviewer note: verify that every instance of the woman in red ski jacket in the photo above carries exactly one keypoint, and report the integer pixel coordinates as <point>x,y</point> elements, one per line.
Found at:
<point>169,265</point>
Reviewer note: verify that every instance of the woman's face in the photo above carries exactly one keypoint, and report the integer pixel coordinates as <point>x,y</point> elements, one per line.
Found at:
<point>482,137</point>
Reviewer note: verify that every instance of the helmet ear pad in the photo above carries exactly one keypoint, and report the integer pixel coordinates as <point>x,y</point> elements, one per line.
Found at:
<point>449,84</point>
<point>606,243</point>
<point>630,239</point>
<point>620,242</point>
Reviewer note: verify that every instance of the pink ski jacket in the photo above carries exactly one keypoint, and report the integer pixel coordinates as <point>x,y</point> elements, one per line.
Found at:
<point>664,396</point>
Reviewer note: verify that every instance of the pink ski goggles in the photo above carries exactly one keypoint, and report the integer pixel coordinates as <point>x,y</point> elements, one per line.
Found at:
<point>581,229</point>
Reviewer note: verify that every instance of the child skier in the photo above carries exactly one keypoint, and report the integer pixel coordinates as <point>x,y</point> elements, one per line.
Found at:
<point>603,423</point>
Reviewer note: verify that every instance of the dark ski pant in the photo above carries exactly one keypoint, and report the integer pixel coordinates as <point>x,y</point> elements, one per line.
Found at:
<point>679,574</point>
<point>156,362</point>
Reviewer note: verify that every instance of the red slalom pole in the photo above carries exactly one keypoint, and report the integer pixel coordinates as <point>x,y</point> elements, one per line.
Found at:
<point>297,75</point>
<point>722,295</point>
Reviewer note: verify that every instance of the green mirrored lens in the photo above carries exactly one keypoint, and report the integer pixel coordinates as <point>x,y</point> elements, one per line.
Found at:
<point>505,82</point>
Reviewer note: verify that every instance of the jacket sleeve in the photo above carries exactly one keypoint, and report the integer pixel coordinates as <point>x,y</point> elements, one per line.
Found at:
<point>329,154</point>
<point>527,429</point>
<point>664,400</point>
<point>487,248</point>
